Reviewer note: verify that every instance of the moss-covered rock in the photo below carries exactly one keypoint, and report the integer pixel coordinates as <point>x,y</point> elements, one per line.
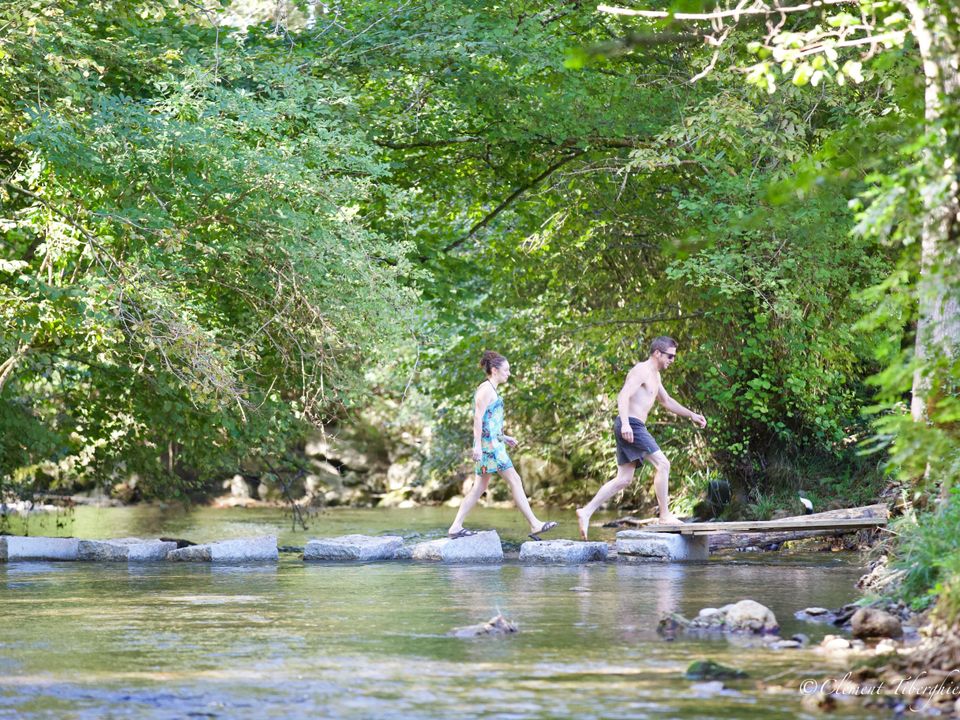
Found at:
<point>710,670</point>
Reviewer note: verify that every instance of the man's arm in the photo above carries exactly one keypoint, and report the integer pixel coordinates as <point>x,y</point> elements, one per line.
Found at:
<point>677,409</point>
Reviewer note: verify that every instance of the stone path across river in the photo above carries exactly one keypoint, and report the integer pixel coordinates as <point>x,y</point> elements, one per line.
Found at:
<point>482,547</point>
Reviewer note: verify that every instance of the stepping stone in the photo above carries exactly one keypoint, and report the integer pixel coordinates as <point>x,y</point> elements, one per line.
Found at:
<point>569,552</point>
<point>193,553</point>
<point>362,548</point>
<point>662,546</point>
<point>479,548</point>
<point>124,550</point>
<point>255,549</point>
<point>14,548</point>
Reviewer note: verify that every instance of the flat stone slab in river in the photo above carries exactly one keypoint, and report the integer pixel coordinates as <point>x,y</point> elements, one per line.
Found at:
<point>563,551</point>
<point>255,549</point>
<point>124,550</point>
<point>480,548</point>
<point>13,548</point>
<point>361,548</point>
<point>662,546</point>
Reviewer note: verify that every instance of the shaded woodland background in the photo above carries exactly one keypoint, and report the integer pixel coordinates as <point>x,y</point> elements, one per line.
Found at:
<point>226,226</point>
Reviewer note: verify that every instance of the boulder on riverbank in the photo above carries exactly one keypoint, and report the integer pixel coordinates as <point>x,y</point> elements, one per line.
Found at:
<point>875,623</point>
<point>497,625</point>
<point>254,549</point>
<point>357,548</point>
<point>872,622</point>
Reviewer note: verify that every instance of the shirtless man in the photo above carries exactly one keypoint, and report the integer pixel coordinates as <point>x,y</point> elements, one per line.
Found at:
<point>634,443</point>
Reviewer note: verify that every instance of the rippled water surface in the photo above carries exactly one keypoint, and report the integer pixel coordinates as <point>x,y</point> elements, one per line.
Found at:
<point>369,641</point>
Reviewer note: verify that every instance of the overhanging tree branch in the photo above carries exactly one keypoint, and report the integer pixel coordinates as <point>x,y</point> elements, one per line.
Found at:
<point>573,142</point>
<point>865,27</point>
<point>511,197</point>
<point>758,8</point>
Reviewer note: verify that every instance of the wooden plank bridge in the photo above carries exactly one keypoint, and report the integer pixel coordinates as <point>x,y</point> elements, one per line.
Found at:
<point>806,524</point>
<point>695,540</point>
<point>827,523</point>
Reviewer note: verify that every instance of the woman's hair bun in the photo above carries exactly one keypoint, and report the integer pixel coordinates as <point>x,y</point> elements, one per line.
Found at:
<point>490,360</point>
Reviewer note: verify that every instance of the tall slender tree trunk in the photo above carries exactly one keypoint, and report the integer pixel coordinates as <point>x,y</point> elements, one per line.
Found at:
<point>936,27</point>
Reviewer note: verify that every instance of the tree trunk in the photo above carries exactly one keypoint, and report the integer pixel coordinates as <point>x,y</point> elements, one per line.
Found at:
<point>935,26</point>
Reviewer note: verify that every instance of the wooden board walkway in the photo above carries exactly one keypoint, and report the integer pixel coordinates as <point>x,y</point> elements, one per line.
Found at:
<point>808,523</point>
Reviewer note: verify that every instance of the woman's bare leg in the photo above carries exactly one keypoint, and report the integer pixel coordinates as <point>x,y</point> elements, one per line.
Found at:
<point>520,497</point>
<point>480,483</point>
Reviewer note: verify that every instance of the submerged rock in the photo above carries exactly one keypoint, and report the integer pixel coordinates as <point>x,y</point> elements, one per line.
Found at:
<point>834,643</point>
<point>497,625</point>
<point>819,702</point>
<point>843,615</point>
<point>749,616</point>
<point>707,689</point>
<point>671,624</point>
<point>746,616</point>
<point>710,670</point>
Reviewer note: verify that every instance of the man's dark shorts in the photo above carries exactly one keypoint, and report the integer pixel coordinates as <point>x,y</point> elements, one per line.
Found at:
<point>643,443</point>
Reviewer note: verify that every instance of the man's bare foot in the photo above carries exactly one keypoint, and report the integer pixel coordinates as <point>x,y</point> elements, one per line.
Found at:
<point>583,520</point>
<point>670,519</point>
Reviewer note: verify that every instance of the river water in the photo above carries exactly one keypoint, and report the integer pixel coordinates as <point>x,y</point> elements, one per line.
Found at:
<point>369,641</point>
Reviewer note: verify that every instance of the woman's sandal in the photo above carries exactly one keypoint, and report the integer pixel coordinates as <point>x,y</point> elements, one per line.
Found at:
<point>547,526</point>
<point>461,534</point>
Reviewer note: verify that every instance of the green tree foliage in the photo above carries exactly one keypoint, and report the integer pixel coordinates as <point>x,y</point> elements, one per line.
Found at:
<point>187,274</point>
<point>912,206</point>
<point>206,229</point>
<point>569,215</point>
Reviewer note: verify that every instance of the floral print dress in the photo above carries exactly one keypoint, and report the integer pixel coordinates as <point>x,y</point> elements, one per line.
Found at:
<point>494,458</point>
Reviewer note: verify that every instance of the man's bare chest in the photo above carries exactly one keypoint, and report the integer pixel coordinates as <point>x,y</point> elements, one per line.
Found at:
<point>646,393</point>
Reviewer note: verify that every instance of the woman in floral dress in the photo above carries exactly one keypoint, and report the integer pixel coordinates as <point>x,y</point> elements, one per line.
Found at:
<point>490,449</point>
